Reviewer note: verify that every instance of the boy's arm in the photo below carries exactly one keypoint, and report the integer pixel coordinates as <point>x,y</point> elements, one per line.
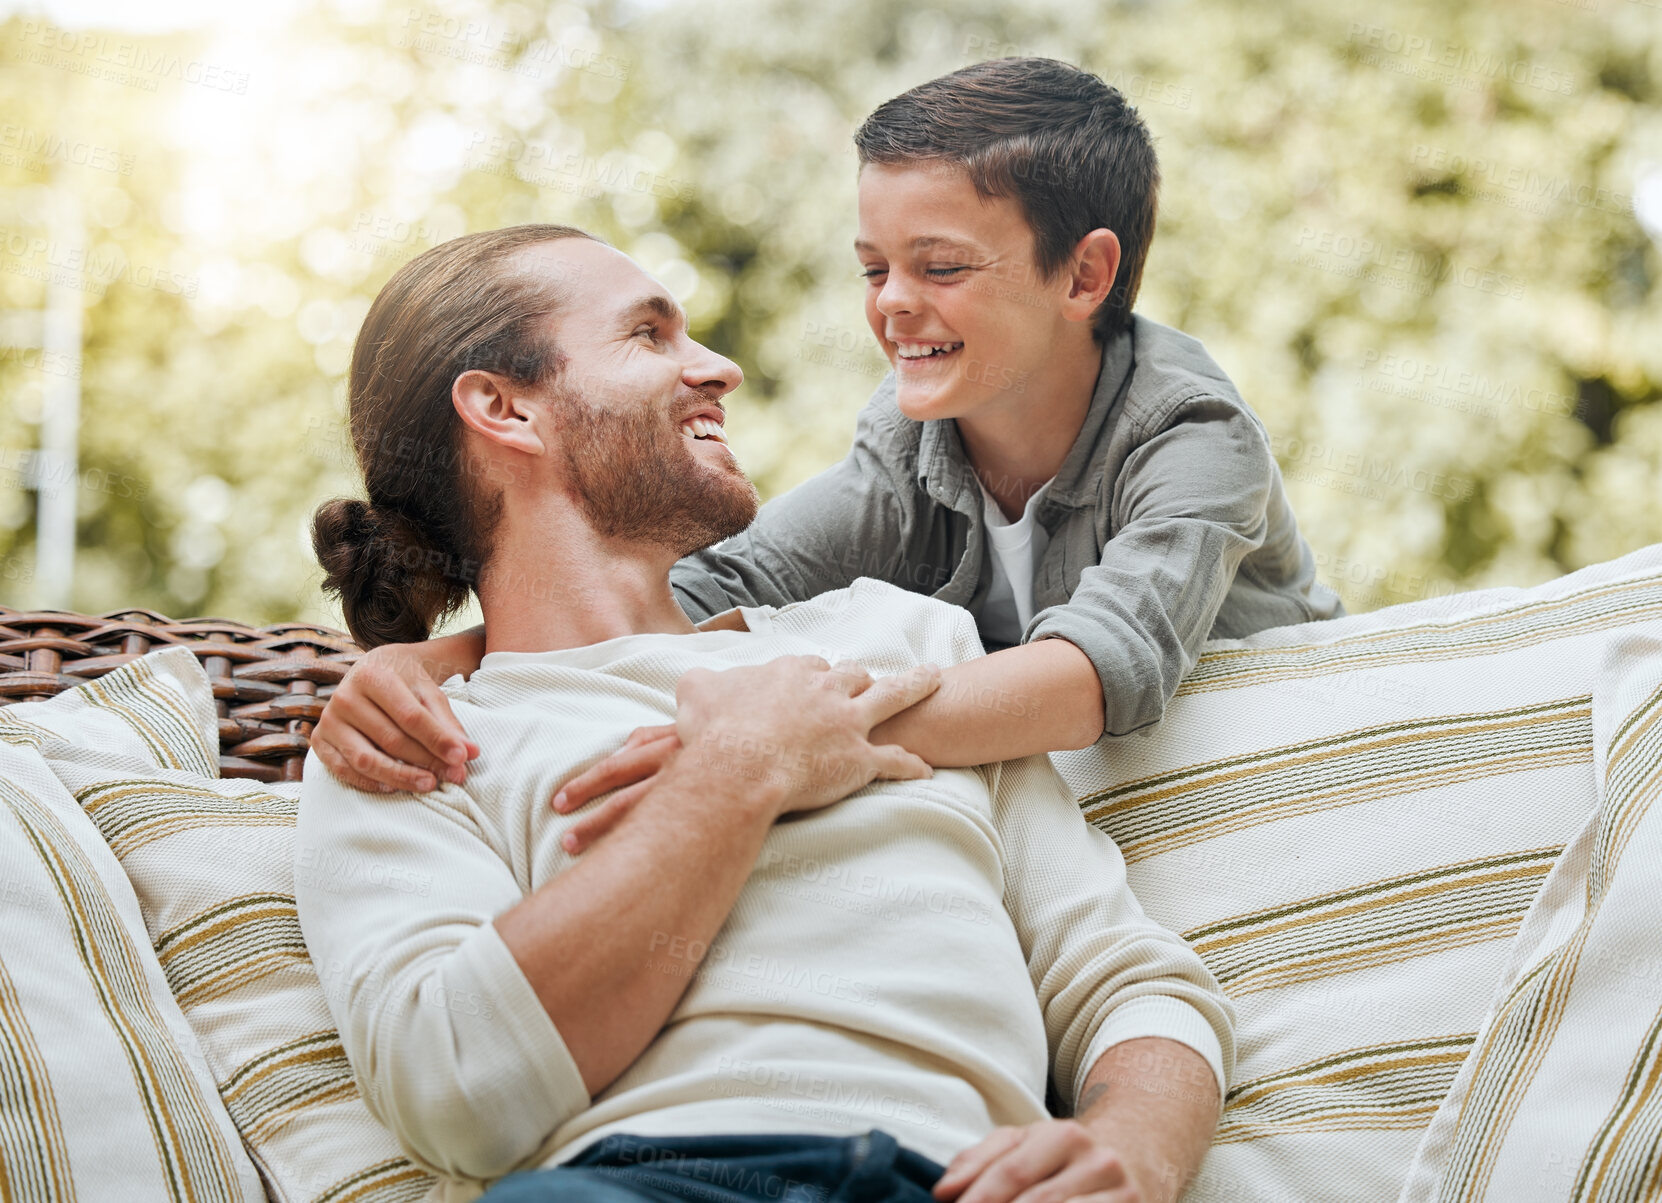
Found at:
<point>1021,701</point>
<point>1189,505</point>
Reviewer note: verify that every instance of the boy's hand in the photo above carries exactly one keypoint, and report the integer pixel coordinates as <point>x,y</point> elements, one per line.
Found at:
<point>629,770</point>
<point>1047,1162</point>
<point>389,726</point>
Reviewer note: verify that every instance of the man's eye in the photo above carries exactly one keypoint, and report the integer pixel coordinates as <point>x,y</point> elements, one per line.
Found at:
<point>650,331</point>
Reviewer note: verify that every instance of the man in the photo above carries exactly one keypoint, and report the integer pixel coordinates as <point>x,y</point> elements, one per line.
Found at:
<point>802,964</point>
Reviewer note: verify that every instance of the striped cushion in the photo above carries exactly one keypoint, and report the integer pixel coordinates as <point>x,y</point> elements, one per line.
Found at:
<point>1350,820</point>
<point>104,1094</point>
<point>1562,1095</point>
<point>212,862</point>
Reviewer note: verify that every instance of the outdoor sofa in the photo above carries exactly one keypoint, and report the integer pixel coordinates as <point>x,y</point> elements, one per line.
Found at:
<point>1416,846</point>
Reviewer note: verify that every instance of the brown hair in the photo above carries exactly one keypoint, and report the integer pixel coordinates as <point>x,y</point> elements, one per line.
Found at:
<point>408,556</point>
<point>1065,145</point>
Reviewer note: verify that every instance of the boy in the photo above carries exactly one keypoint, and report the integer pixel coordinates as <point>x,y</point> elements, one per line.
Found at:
<point>1087,483</point>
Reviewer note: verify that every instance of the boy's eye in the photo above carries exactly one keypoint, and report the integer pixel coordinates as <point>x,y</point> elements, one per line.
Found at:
<point>946,273</point>
<point>870,272</point>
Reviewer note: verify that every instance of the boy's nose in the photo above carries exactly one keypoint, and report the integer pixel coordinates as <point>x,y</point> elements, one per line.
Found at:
<point>897,296</point>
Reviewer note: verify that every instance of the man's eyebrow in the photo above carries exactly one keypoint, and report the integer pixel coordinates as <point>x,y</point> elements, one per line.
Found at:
<point>926,242</point>
<point>656,305</point>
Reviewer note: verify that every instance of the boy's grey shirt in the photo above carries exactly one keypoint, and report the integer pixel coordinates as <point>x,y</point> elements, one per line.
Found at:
<point>1168,526</point>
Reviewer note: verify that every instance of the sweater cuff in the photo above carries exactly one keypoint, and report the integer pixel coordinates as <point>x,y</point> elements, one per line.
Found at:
<point>530,1048</point>
<point>1158,1015</point>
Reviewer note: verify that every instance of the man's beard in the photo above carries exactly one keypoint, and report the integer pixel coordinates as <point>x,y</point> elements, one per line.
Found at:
<point>636,478</point>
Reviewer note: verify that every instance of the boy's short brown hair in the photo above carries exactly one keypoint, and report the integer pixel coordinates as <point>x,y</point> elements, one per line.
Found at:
<point>1059,140</point>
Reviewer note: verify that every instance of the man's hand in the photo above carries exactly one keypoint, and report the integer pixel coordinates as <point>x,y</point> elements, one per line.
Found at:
<point>1146,1115</point>
<point>389,726</point>
<point>796,725</point>
<point>800,726</point>
<point>1054,1161</point>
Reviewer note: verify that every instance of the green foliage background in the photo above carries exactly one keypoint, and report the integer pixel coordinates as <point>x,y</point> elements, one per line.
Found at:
<point>1406,230</point>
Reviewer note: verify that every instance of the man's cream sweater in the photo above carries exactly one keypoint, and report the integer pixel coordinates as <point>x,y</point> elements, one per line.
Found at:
<point>915,958</point>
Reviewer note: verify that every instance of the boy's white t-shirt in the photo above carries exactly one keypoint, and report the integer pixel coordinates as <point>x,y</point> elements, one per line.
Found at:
<point>1016,549</point>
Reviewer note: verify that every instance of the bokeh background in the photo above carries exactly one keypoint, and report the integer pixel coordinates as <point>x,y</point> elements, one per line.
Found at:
<point>1422,237</point>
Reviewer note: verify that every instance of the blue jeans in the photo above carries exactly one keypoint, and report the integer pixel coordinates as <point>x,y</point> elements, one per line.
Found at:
<point>872,1168</point>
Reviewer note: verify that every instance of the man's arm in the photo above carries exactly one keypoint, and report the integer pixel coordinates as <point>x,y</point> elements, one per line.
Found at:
<point>478,1019</point>
<point>1144,1123</point>
<point>1189,505</point>
<point>1112,986</point>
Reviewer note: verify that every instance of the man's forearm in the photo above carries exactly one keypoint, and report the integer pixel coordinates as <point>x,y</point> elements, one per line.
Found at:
<point>1023,701</point>
<point>1156,1103</point>
<point>605,943</point>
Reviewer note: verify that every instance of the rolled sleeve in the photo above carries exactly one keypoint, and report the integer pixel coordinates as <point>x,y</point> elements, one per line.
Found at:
<point>1188,506</point>
<point>451,1048</point>
<point>1159,1017</point>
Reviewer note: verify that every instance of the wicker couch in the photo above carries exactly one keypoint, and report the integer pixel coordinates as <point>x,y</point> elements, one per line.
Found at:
<point>270,683</point>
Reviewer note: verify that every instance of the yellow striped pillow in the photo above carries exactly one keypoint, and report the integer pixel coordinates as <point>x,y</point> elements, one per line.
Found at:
<point>1349,820</point>
<point>1562,1095</point>
<point>104,1094</point>
<point>212,862</point>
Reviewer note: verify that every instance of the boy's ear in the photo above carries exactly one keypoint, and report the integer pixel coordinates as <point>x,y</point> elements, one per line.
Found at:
<point>1095,262</point>
<point>494,407</point>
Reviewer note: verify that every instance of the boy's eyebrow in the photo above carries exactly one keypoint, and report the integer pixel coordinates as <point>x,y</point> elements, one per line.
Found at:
<point>926,242</point>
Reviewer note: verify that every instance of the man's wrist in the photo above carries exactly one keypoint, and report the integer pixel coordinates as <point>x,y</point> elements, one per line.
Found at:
<point>730,783</point>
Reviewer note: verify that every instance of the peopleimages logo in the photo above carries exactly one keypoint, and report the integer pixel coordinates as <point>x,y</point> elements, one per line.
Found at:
<point>135,64</point>
<point>1450,63</point>
<point>838,877</point>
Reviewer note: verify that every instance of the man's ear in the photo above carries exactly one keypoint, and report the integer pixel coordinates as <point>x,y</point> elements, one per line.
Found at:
<point>1095,262</point>
<point>496,408</point>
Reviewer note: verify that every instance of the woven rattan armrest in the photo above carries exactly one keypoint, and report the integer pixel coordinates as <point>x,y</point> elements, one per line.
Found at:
<point>269,683</point>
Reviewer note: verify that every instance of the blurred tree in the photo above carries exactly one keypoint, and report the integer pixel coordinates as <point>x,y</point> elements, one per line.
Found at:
<point>1408,232</point>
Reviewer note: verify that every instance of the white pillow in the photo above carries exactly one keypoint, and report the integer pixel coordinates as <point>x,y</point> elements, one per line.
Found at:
<point>212,862</point>
<point>104,1093</point>
<point>1349,820</point>
<point>1562,1095</point>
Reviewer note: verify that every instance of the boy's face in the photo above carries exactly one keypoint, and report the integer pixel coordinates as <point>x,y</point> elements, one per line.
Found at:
<point>952,293</point>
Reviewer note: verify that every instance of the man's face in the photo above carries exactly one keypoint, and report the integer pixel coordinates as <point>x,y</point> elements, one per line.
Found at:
<point>952,293</point>
<point>637,409</point>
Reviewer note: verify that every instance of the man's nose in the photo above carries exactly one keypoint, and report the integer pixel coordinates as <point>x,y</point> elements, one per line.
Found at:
<point>710,372</point>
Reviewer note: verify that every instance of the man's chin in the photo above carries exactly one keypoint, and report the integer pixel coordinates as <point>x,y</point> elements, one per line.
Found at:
<point>723,508</point>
